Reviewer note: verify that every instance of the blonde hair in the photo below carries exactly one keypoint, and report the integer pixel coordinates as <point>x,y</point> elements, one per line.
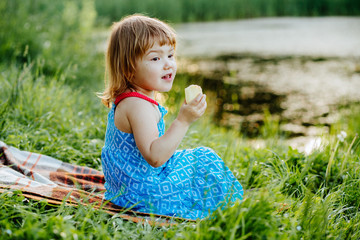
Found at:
<point>130,38</point>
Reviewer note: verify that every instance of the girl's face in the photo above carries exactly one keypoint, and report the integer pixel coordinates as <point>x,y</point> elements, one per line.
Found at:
<point>156,70</point>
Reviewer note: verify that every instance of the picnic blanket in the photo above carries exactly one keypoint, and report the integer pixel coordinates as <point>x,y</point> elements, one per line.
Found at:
<point>40,177</point>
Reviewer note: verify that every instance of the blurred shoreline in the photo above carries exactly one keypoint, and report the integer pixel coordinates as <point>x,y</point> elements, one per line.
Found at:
<point>295,36</point>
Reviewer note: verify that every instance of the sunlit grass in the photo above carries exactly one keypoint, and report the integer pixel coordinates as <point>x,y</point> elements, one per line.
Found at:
<point>44,114</point>
<point>288,195</point>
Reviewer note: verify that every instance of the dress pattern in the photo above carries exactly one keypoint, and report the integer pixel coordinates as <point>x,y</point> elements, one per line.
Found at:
<point>191,184</point>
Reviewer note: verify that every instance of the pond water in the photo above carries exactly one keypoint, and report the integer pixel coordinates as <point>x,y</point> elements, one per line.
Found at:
<point>298,70</point>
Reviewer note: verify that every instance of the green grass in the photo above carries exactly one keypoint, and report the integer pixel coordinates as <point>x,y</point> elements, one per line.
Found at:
<point>293,195</point>
<point>22,218</point>
<point>48,105</point>
<point>44,114</point>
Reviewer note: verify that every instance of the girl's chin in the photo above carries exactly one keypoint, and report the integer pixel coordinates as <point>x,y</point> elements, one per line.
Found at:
<point>166,89</point>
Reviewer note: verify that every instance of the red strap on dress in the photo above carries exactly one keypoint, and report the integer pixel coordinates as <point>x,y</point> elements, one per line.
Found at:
<point>134,94</point>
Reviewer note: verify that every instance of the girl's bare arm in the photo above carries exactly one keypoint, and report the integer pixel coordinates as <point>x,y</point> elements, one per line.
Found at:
<point>157,150</point>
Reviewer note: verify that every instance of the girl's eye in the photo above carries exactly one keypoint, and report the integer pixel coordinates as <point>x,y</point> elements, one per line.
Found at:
<point>171,55</point>
<point>155,59</point>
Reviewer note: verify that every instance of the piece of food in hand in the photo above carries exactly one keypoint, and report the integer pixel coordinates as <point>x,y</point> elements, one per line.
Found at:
<point>191,92</point>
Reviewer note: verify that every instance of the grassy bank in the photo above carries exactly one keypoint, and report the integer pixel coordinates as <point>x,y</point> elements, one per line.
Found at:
<point>56,37</point>
<point>209,10</point>
<point>50,71</point>
<point>292,196</point>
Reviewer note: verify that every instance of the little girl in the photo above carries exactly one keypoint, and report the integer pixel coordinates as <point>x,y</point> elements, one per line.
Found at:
<point>142,167</point>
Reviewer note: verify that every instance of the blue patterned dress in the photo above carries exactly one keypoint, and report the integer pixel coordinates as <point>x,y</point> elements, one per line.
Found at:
<point>191,184</point>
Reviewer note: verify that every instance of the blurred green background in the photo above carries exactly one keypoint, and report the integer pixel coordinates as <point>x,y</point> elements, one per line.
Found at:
<point>209,10</point>
<point>59,31</point>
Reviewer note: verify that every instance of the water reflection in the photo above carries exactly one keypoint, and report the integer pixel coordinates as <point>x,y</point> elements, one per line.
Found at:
<point>240,106</point>
<point>299,93</point>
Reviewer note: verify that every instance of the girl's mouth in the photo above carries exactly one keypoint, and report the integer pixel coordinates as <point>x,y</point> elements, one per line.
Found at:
<point>167,76</point>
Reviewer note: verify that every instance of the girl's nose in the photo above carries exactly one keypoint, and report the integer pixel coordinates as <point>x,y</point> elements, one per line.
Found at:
<point>169,63</point>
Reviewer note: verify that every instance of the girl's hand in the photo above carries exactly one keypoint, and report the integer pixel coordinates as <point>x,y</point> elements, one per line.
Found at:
<point>192,111</point>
